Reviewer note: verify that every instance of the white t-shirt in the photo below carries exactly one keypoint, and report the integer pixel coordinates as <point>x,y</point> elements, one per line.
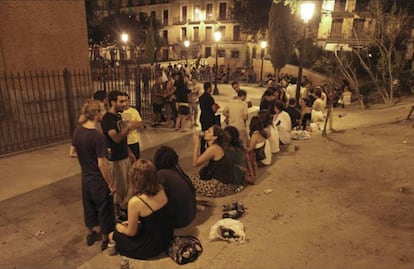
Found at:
<point>132,114</point>
<point>237,110</point>
<point>284,128</point>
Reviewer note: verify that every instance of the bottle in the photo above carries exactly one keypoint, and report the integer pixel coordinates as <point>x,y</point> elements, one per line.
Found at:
<point>201,134</point>
<point>124,263</point>
<point>112,248</point>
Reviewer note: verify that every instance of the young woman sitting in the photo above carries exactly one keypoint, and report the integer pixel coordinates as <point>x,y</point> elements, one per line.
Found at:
<point>149,228</point>
<point>215,176</point>
<point>259,144</point>
<point>180,191</point>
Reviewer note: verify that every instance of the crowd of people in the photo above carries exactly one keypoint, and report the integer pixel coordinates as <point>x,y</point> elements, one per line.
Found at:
<point>136,202</point>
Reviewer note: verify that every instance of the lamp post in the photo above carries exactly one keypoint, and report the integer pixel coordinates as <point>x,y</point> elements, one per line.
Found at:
<point>306,13</point>
<point>217,37</point>
<point>124,38</point>
<point>186,45</point>
<point>263,44</point>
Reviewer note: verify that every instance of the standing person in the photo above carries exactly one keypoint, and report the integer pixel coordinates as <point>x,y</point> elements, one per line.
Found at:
<point>208,109</point>
<point>236,87</point>
<point>119,156</point>
<point>177,185</point>
<point>148,231</point>
<point>181,95</point>
<point>88,144</point>
<point>157,98</point>
<point>132,116</point>
<point>236,114</point>
<point>193,100</point>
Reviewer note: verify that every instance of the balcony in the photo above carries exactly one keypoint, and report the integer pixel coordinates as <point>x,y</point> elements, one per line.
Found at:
<point>179,21</point>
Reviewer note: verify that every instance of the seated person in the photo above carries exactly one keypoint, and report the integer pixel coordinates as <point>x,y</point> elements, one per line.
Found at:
<point>215,177</point>
<point>259,141</point>
<point>148,231</point>
<point>318,107</point>
<point>294,113</point>
<point>177,185</point>
<point>271,130</point>
<point>282,122</point>
<point>237,153</point>
<point>306,112</point>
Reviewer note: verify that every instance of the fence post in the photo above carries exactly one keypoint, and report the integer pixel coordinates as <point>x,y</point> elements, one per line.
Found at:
<point>69,99</point>
<point>138,89</point>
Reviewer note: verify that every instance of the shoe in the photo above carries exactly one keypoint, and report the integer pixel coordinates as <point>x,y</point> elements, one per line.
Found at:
<point>91,238</point>
<point>104,245</point>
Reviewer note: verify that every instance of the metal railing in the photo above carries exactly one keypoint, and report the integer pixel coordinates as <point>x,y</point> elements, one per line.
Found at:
<point>41,108</point>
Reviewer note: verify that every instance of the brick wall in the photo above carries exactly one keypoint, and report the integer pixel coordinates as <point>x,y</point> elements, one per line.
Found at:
<point>43,35</point>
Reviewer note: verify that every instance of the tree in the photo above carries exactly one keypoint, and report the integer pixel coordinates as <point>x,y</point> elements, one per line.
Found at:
<point>383,58</point>
<point>280,40</point>
<point>252,15</point>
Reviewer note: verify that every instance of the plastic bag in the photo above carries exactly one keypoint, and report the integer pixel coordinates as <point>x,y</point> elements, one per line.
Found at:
<point>233,227</point>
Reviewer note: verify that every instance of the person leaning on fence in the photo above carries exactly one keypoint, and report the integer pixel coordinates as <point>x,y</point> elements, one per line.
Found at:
<point>177,185</point>
<point>149,229</point>
<point>215,176</point>
<point>89,146</point>
<point>132,116</point>
<point>157,98</point>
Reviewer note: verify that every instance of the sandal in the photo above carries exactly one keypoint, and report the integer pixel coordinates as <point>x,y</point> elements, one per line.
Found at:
<point>91,238</point>
<point>104,245</point>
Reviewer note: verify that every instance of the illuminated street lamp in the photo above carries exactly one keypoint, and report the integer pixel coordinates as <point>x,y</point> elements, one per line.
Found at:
<point>186,44</point>
<point>263,44</point>
<point>217,37</point>
<point>306,13</point>
<point>124,38</point>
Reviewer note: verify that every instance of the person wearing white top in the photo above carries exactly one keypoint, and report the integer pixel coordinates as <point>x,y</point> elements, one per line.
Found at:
<point>236,113</point>
<point>282,122</point>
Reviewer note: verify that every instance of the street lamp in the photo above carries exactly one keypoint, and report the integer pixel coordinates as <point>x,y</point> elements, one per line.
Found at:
<point>306,13</point>
<point>186,44</point>
<point>263,44</point>
<point>124,38</point>
<point>217,37</point>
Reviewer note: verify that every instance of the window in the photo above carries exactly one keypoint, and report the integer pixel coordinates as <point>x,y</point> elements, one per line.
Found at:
<point>152,14</point>
<point>209,33</point>
<point>358,26</point>
<point>339,5</point>
<point>165,17</point>
<point>184,13</point>
<point>165,54</point>
<point>165,35</point>
<point>236,33</point>
<point>336,28</point>
<point>196,33</point>
<point>235,54</point>
<point>207,52</point>
<point>209,12</point>
<point>221,52</point>
<point>183,33</point>
<point>254,53</point>
<point>196,15</point>
<point>223,11</point>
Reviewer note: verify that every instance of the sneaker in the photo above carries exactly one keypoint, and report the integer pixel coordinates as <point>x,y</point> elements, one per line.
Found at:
<point>104,245</point>
<point>91,238</point>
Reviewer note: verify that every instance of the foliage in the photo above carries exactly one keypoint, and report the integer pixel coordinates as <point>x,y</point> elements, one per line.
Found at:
<point>252,15</point>
<point>383,59</point>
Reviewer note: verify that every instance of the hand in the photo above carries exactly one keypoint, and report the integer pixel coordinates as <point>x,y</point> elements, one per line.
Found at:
<point>132,158</point>
<point>196,138</point>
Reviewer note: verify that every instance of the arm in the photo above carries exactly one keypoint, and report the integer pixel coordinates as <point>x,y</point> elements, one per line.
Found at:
<point>130,228</point>
<point>252,143</point>
<point>72,152</point>
<point>103,167</point>
<point>118,137</point>
<point>198,159</point>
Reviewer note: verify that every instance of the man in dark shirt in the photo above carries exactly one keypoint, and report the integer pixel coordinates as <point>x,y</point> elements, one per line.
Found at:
<point>294,113</point>
<point>208,109</point>
<point>120,157</point>
<point>88,144</point>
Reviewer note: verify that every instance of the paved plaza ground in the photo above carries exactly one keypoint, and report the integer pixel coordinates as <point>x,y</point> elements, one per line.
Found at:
<point>341,201</point>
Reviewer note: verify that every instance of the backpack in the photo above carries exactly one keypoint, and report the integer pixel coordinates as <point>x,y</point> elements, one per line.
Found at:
<point>185,249</point>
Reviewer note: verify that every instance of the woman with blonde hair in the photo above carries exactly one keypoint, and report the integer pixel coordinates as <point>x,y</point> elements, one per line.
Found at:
<point>148,230</point>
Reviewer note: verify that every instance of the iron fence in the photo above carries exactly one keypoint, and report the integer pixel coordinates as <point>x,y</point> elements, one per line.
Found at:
<point>41,108</point>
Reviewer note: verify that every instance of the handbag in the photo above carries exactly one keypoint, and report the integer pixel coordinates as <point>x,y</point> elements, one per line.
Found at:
<point>185,249</point>
<point>260,153</point>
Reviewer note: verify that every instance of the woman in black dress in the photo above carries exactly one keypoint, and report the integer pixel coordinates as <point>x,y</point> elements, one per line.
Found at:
<point>148,230</point>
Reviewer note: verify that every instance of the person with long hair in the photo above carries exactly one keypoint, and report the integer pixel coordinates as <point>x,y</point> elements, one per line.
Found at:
<point>270,129</point>
<point>149,228</point>
<point>259,141</point>
<point>177,184</point>
<point>215,176</point>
